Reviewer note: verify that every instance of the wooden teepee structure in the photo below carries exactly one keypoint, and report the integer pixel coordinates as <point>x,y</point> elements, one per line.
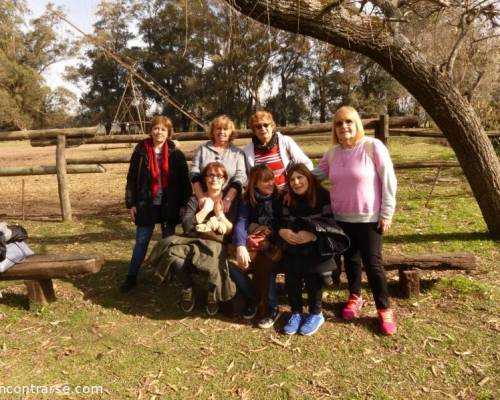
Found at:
<point>130,114</point>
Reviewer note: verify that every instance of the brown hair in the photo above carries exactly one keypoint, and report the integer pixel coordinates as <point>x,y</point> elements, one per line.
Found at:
<point>215,167</point>
<point>353,114</point>
<point>312,190</point>
<point>261,115</point>
<point>164,121</point>
<point>222,121</point>
<point>258,173</point>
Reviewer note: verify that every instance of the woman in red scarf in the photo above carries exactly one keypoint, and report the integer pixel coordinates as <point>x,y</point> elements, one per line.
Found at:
<point>158,186</point>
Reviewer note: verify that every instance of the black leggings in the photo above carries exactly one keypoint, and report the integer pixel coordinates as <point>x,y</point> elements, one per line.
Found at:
<point>365,249</point>
<point>294,279</point>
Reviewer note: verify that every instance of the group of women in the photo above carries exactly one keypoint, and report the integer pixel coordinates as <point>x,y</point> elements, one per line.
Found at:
<point>250,214</point>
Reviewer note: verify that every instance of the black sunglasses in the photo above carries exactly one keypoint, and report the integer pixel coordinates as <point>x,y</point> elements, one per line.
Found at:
<point>348,122</point>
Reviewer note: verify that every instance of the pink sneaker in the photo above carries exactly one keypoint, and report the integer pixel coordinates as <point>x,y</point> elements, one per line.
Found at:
<point>387,321</point>
<point>354,304</point>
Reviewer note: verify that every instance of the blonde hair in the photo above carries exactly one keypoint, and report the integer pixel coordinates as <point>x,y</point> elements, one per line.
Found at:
<point>353,114</point>
<point>222,121</point>
<point>164,121</point>
<point>261,115</point>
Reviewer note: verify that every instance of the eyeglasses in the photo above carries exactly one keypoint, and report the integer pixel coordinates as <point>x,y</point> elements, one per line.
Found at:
<point>340,123</point>
<point>213,176</point>
<point>265,125</point>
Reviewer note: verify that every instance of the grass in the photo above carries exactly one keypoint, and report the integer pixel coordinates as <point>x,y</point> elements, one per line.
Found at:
<point>142,346</point>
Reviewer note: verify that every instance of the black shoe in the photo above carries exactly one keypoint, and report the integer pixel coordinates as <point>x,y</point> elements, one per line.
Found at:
<point>269,319</point>
<point>212,304</point>
<point>187,300</point>
<point>129,283</point>
<point>250,310</point>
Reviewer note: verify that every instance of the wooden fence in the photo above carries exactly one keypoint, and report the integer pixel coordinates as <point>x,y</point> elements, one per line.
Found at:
<point>383,128</point>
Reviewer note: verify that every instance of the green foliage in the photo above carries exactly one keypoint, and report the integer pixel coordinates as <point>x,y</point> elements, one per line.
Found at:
<point>465,285</point>
<point>24,55</point>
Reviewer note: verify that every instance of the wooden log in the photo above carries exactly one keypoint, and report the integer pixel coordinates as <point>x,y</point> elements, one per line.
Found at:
<point>382,128</point>
<point>46,266</point>
<point>438,261</point>
<point>422,132</point>
<point>368,123</point>
<point>41,291</point>
<point>427,164</point>
<point>70,142</point>
<point>62,185</point>
<point>50,170</point>
<point>409,282</point>
<point>48,133</point>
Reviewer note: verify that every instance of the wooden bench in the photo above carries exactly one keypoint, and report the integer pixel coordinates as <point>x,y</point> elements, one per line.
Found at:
<point>37,271</point>
<point>410,266</point>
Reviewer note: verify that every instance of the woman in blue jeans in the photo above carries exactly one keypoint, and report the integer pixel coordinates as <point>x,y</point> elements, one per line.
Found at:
<point>158,187</point>
<point>255,236</point>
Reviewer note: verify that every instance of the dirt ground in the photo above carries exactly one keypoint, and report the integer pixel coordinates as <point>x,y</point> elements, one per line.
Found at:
<point>90,194</point>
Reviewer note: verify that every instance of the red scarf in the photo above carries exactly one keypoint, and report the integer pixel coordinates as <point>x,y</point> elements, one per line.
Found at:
<point>153,165</point>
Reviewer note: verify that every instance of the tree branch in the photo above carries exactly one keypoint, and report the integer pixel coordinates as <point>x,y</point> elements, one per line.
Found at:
<point>464,26</point>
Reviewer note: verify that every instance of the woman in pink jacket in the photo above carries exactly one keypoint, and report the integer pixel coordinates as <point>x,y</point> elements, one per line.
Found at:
<point>363,199</point>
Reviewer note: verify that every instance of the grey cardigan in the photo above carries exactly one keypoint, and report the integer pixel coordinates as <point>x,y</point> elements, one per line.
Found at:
<point>232,158</point>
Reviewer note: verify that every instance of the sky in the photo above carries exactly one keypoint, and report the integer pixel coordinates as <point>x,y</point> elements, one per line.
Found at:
<point>80,13</point>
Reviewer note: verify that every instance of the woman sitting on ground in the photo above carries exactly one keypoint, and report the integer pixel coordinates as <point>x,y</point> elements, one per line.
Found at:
<point>312,239</point>
<point>255,240</point>
<point>202,248</point>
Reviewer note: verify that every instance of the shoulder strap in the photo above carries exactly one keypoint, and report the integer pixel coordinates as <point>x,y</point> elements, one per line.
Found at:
<point>331,153</point>
<point>368,145</point>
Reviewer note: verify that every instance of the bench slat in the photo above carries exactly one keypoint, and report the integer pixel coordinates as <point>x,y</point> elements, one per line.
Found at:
<point>40,267</point>
<point>437,261</point>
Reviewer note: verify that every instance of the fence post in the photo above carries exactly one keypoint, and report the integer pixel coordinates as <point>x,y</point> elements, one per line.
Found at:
<point>61,178</point>
<point>382,130</point>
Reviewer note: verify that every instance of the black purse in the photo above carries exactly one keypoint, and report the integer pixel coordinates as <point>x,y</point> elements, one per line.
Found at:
<point>18,233</point>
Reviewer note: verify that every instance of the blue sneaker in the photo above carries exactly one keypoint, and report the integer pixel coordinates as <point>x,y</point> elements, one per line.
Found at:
<point>311,324</point>
<point>293,324</point>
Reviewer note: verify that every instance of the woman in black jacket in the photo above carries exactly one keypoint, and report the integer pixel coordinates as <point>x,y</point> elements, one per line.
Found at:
<point>311,240</point>
<point>158,187</point>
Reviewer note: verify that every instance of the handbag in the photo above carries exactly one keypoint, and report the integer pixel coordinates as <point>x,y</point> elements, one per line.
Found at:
<point>16,253</point>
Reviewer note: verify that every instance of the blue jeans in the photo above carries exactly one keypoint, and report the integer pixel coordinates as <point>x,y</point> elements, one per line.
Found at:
<point>244,284</point>
<point>143,236</point>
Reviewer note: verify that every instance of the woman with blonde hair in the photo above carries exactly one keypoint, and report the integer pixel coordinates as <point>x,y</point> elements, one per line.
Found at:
<point>363,199</point>
<point>219,148</point>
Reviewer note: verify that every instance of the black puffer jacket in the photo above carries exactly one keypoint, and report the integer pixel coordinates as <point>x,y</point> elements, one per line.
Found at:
<point>331,240</point>
<point>138,192</point>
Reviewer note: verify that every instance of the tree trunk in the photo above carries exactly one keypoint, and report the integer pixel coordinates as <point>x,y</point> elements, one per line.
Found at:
<point>433,89</point>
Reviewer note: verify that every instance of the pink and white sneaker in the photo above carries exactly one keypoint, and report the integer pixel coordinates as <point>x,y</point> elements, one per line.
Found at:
<point>354,304</point>
<point>387,321</point>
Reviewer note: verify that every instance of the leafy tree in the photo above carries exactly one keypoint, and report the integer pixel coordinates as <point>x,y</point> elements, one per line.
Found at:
<point>26,49</point>
<point>104,78</point>
<point>377,29</point>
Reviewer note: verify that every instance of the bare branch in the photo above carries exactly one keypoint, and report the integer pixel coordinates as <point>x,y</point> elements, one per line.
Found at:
<point>465,24</point>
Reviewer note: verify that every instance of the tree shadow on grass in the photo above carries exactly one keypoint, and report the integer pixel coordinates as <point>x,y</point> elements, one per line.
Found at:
<point>114,230</point>
<point>150,298</point>
<point>15,300</point>
<point>433,237</point>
